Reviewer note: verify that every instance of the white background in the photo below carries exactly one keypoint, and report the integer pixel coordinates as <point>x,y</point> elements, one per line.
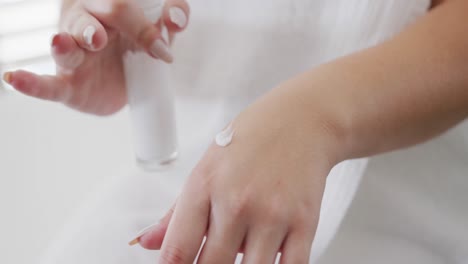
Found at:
<point>51,158</point>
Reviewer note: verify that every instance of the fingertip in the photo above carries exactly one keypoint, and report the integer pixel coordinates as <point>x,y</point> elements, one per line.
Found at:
<point>86,30</point>
<point>8,77</point>
<point>66,52</point>
<point>176,15</point>
<point>151,242</point>
<point>45,87</point>
<point>63,43</point>
<point>22,81</point>
<point>177,18</point>
<point>88,36</point>
<point>60,43</point>
<point>154,42</point>
<point>100,39</point>
<point>94,38</point>
<point>134,242</point>
<point>159,49</point>
<point>153,239</point>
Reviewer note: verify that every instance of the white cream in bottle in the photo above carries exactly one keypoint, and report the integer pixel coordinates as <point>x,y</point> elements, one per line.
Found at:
<point>151,102</point>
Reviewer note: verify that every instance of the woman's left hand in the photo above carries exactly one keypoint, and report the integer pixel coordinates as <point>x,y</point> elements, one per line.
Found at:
<point>260,195</point>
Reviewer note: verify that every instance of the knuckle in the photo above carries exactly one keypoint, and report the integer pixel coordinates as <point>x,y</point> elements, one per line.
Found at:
<point>173,255</point>
<point>59,95</point>
<point>200,170</point>
<point>78,100</point>
<point>237,206</point>
<point>117,10</point>
<point>145,35</point>
<point>119,6</point>
<point>275,214</point>
<point>300,259</point>
<point>216,254</point>
<point>204,175</point>
<point>305,223</point>
<point>302,218</point>
<point>306,212</point>
<point>74,23</point>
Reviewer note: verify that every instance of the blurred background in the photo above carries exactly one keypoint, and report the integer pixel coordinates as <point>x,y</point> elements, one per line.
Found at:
<point>46,150</point>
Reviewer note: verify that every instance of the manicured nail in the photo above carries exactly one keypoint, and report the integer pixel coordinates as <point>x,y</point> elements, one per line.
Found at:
<point>177,16</point>
<point>161,50</point>
<point>88,35</point>
<point>145,230</point>
<point>55,40</point>
<point>165,34</point>
<point>8,77</point>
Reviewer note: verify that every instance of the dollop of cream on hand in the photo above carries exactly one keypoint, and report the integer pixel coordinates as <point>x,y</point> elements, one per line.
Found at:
<point>224,138</point>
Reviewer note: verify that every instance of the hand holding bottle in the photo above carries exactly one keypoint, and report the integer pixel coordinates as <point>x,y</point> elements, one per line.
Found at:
<point>88,51</point>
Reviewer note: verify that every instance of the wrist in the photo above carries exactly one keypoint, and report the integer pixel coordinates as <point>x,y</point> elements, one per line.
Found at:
<point>309,127</point>
<point>322,114</point>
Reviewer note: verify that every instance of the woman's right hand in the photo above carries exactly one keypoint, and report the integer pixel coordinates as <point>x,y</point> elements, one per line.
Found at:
<point>88,52</point>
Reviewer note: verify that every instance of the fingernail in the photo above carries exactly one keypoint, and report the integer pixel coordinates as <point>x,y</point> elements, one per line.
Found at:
<point>177,16</point>
<point>88,35</point>
<point>55,40</point>
<point>161,50</point>
<point>8,77</point>
<point>145,230</point>
<point>165,34</point>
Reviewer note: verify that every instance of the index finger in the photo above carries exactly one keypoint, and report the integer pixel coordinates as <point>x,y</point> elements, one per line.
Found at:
<point>187,228</point>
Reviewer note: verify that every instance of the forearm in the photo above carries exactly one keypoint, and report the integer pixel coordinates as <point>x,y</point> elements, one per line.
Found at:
<point>397,94</point>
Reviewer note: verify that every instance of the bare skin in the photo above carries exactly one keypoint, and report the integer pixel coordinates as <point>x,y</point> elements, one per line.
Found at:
<point>262,194</point>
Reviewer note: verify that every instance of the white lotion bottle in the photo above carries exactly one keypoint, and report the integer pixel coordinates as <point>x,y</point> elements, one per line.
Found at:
<point>151,102</point>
